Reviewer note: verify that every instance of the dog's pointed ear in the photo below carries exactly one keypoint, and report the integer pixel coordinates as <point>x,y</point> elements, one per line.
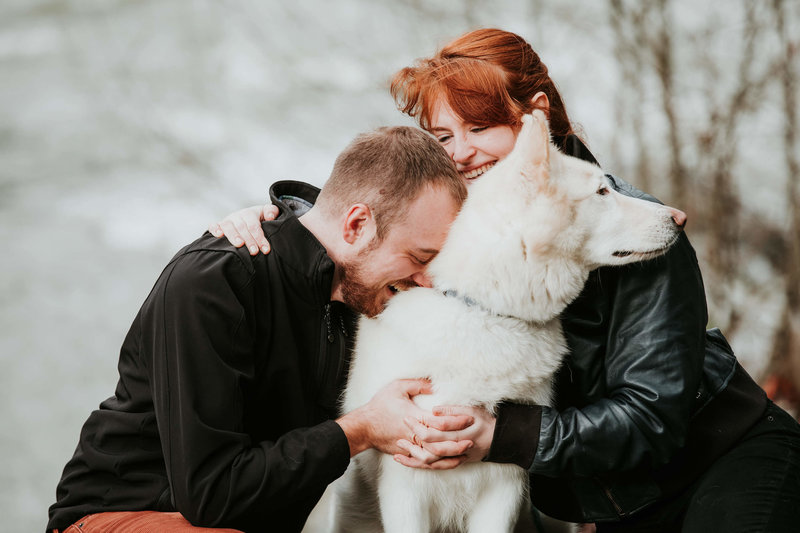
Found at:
<point>533,145</point>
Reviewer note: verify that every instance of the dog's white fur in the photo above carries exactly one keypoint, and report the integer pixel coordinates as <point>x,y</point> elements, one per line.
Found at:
<point>519,251</point>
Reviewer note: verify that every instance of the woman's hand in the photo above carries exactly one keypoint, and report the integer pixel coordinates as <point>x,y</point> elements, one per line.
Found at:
<point>243,227</point>
<point>438,443</point>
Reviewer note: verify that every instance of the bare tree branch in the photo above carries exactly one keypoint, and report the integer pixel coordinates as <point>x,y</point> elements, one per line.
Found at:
<point>630,95</point>
<point>663,53</point>
<point>785,355</point>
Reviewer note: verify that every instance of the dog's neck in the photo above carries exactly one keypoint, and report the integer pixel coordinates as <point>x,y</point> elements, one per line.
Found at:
<point>536,297</point>
<point>469,302</point>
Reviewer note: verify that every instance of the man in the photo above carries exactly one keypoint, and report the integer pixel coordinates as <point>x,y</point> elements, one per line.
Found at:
<point>230,373</point>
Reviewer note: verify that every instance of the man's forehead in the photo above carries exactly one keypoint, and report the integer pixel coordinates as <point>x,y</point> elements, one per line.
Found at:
<point>423,227</point>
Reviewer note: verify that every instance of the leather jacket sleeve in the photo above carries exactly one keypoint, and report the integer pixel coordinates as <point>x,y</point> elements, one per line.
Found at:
<point>626,392</point>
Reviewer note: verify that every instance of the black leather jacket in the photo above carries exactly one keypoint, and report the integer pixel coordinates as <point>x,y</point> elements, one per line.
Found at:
<point>645,401</point>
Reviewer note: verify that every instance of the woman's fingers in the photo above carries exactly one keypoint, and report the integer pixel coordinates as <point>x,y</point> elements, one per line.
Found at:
<point>453,424</point>
<point>449,422</point>
<point>215,230</point>
<point>428,444</point>
<point>270,212</point>
<point>447,463</point>
<point>429,434</point>
<point>247,229</point>
<point>243,228</point>
<point>231,233</point>
<point>417,451</point>
<point>440,428</point>
<point>417,457</point>
<point>447,448</point>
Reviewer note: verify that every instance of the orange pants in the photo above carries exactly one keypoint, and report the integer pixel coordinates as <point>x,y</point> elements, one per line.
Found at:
<point>138,522</point>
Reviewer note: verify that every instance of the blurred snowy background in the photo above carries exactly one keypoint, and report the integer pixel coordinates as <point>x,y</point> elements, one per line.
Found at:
<point>127,126</point>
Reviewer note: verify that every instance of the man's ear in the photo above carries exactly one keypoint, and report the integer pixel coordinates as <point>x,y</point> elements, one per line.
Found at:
<point>358,223</point>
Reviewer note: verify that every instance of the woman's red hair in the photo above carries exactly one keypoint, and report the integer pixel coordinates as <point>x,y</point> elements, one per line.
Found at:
<point>488,77</point>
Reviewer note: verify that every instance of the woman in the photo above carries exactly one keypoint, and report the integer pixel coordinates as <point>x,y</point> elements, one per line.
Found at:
<point>655,426</point>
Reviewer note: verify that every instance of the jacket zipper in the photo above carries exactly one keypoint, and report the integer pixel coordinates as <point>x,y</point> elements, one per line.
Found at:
<point>342,356</point>
<point>329,337</point>
<point>610,497</point>
<point>326,341</point>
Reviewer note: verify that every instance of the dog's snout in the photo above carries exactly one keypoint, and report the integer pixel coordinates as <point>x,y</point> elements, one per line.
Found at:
<point>678,216</point>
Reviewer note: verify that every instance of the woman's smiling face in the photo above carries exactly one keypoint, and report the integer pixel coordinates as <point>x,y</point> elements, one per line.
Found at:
<point>474,149</point>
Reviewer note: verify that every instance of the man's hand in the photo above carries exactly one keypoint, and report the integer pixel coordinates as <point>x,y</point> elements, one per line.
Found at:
<point>381,423</point>
<point>434,438</point>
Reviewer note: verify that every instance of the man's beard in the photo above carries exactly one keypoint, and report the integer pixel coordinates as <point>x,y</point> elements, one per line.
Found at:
<point>356,294</point>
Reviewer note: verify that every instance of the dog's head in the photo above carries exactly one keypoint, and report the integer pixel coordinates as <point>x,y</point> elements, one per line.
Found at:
<point>605,227</point>
<point>537,223</point>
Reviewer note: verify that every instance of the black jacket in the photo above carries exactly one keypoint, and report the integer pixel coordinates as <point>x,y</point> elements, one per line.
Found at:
<point>646,399</point>
<point>229,379</point>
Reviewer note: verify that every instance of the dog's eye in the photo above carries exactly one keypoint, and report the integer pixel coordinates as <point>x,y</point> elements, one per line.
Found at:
<point>602,191</point>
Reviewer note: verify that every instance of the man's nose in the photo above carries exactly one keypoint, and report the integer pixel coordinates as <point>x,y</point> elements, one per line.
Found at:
<point>422,279</point>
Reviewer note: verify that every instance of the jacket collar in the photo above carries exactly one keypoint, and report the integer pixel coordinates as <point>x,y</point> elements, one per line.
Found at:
<point>300,253</point>
<point>293,196</point>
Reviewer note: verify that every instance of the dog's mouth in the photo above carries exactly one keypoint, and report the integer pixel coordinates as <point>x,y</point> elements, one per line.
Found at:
<point>477,172</point>
<point>648,254</point>
<point>641,255</point>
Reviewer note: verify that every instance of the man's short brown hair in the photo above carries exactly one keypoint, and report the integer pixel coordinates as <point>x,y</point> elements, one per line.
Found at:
<point>387,169</point>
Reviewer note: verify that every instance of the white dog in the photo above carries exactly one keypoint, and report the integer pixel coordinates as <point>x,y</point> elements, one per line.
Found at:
<point>519,251</point>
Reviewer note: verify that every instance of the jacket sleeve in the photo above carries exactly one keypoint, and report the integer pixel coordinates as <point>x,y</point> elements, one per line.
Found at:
<point>646,322</point>
<point>200,346</point>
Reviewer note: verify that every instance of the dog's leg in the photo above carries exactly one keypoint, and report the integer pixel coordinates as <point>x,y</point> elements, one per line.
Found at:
<point>355,506</point>
<point>497,509</point>
<point>404,508</point>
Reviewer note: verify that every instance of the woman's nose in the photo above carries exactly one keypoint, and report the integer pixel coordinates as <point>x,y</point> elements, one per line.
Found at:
<point>463,151</point>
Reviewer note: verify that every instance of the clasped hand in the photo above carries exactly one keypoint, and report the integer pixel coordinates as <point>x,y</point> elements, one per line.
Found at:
<point>438,440</point>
